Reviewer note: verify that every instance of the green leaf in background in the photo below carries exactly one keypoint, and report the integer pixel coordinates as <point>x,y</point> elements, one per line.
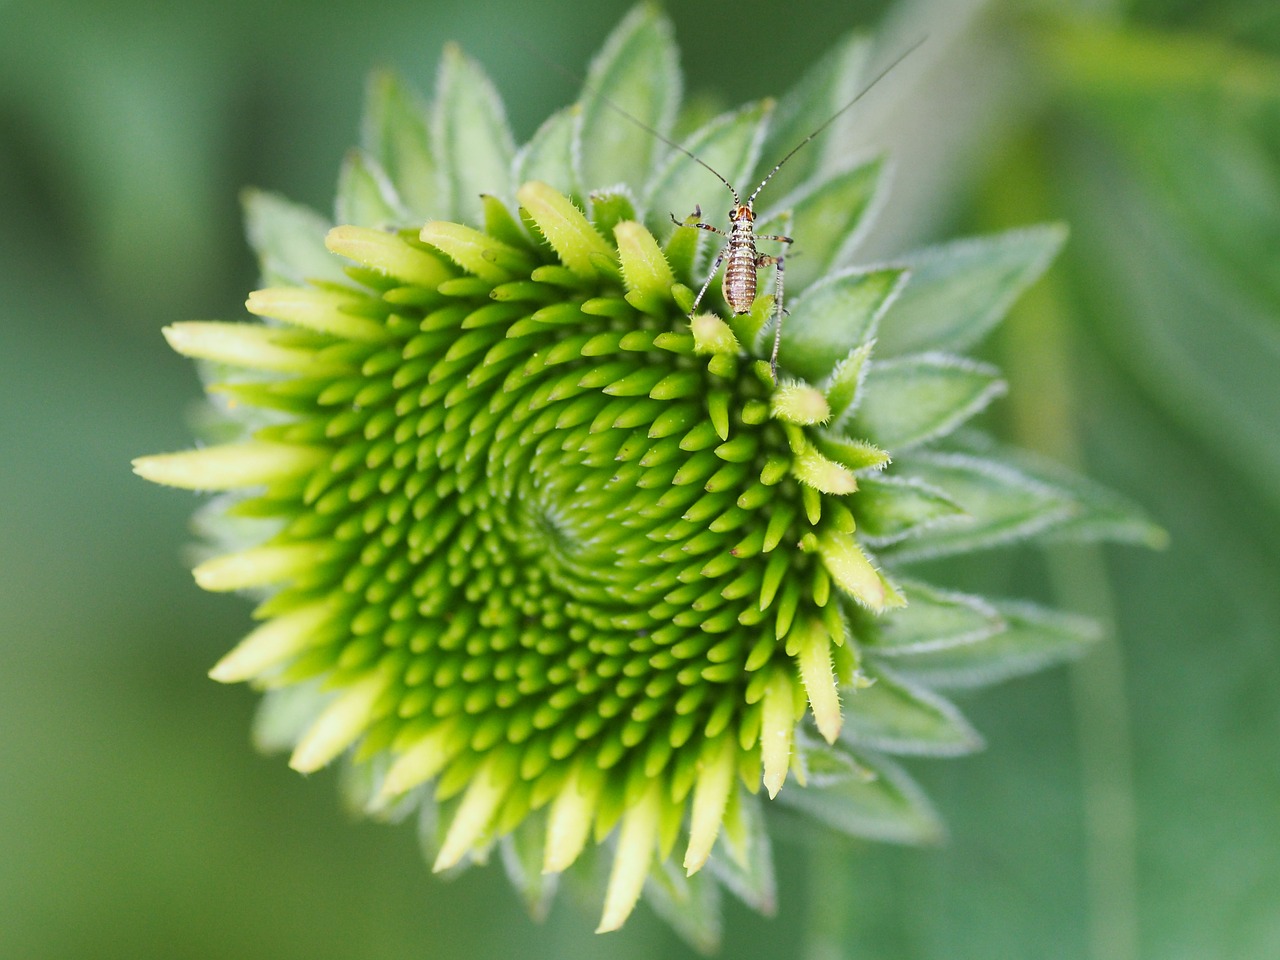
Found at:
<point>1100,513</point>
<point>830,315</point>
<point>728,144</point>
<point>748,870</point>
<point>933,619</point>
<point>1002,504</point>
<point>826,220</point>
<point>1033,638</point>
<point>476,144</point>
<point>907,401</point>
<point>365,196</point>
<point>396,135</point>
<point>881,803</point>
<point>1014,494</point>
<point>288,239</point>
<point>548,156</point>
<point>823,90</point>
<point>959,291</point>
<point>638,71</point>
<point>522,855</point>
<point>891,508</point>
<point>897,716</point>
<point>690,904</point>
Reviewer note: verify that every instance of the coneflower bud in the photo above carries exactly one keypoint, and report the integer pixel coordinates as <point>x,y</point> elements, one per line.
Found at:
<point>552,556</point>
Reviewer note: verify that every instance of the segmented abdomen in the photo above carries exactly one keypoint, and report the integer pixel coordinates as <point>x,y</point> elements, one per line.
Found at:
<point>740,272</point>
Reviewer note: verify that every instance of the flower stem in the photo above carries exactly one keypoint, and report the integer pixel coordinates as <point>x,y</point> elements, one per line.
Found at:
<point>1037,343</point>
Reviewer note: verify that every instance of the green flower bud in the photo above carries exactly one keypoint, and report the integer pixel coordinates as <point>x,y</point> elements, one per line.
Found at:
<point>557,563</point>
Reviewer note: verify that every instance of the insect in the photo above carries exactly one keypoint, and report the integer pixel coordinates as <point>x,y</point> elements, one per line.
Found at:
<point>742,261</point>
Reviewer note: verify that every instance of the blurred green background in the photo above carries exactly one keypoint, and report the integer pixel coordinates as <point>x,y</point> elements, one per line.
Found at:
<point>1127,806</point>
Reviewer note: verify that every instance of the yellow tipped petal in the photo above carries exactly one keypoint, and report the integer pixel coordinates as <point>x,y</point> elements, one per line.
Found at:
<point>569,824</point>
<point>248,345</point>
<point>419,763</point>
<point>850,568</point>
<point>800,404</point>
<point>571,235</point>
<point>818,675</point>
<point>710,797</point>
<point>388,254</point>
<point>258,566</point>
<point>479,804</point>
<point>636,843</point>
<point>644,268</point>
<point>339,725</point>
<point>274,642</point>
<point>475,251</point>
<point>777,728</point>
<point>813,469</point>
<point>712,335</point>
<point>319,310</point>
<point>229,466</point>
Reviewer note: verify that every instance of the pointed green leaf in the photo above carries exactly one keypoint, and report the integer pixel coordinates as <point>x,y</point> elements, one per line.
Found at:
<point>285,714</point>
<point>857,455</point>
<point>366,197</point>
<point>889,508</point>
<point>895,716</point>
<point>843,386</point>
<point>834,316</point>
<point>743,860</point>
<point>1100,514</point>
<point>289,240</point>
<point>638,71</point>
<point>826,764</point>
<point>470,125</point>
<point>827,220</point>
<point>1034,638</point>
<point>430,828</point>
<point>728,144</point>
<point>1003,503</point>
<point>611,207</point>
<point>1011,495</point>
<point>691,905</point>
<point>831,83</point>
<point>891,807</point>
<point>910,400</point>
<point>395,133</point>
<point>522,857</point>
<point>932,620</point>
<point>959,291</point>
<point>548,156</point>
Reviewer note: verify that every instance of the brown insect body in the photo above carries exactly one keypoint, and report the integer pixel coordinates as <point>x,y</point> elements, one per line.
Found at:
<point>739,284</point>
<point>742,261</point>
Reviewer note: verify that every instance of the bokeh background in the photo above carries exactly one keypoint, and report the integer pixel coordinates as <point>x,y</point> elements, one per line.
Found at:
<point>1127,806</point>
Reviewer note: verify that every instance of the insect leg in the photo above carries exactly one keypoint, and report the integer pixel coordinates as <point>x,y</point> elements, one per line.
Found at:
<point>715,268</point>
<point>693,221</point>
<point>764,260</point>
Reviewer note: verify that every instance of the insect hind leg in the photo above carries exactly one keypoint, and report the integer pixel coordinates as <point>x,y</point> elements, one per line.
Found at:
<point>715,268</point>
<point>779,311</point>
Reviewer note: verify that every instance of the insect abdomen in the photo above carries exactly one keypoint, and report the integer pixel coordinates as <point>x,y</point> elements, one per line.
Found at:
<point>739,285</point>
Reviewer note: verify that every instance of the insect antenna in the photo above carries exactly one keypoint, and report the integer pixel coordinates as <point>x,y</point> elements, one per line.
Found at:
<point>830,120</point>
<point>586,85</point>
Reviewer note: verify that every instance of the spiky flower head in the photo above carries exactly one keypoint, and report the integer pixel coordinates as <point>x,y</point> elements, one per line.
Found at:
<point>555,564</point>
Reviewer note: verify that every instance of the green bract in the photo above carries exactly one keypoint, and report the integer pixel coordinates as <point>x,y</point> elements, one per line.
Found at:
<point>558,566</point>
